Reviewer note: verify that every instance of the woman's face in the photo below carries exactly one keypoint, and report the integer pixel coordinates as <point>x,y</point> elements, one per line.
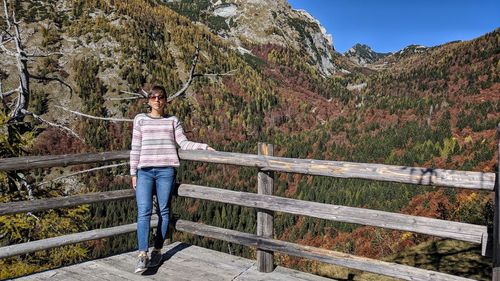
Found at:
<point>156,101</point>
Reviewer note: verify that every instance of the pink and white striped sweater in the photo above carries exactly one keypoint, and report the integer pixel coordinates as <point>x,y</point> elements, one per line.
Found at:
<point>153,142</point>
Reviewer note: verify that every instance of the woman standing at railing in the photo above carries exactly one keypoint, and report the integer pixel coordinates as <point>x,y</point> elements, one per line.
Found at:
<point>153,159</point>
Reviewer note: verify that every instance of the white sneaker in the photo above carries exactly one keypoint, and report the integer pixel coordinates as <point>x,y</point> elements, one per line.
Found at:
<point>142,264</point>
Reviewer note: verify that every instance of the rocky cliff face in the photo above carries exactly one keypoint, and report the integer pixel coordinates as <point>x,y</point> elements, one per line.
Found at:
<point>262,22</point>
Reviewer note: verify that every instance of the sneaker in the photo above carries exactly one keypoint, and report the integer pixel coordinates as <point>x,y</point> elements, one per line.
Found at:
<point>142,264</point>
<point>155,259</point>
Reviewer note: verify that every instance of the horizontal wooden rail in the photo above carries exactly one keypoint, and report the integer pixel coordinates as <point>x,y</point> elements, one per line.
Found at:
<point>322,255</point>
<point>63,202</point>
<point>339,169</point>
<point>34,162</point>
<point>442,228</point>
<point>45,244</point>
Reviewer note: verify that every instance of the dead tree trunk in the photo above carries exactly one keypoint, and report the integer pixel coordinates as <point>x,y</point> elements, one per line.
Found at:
<point>12,34</point>
<point>24,84</point>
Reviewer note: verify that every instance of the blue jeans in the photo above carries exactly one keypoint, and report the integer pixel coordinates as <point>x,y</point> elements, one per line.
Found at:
<point>150,181</point>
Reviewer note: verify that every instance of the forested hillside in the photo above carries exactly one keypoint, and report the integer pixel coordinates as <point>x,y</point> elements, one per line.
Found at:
<point>436,109</point>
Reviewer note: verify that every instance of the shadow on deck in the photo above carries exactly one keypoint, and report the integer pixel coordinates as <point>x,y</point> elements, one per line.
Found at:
<point>181,262</point>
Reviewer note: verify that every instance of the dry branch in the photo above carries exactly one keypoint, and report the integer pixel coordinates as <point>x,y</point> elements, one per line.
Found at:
<point>229,73</point>
<point>194,61</point>
<point>95,117</point>
<point>83,172</point>
<point>21,62</point>
<point>37,55</point>
<point>8,93</point>
<point>59,126</point>
<point>45,78</point>
<point>125,98</point>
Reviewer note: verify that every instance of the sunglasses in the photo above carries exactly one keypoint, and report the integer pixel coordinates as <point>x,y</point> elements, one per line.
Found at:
<point>159,97</point>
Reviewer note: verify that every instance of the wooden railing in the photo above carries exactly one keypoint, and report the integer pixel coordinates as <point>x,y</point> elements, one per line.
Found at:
<point>266,203</point>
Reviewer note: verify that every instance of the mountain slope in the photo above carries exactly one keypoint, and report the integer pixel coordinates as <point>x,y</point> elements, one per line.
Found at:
<point>259,22</point>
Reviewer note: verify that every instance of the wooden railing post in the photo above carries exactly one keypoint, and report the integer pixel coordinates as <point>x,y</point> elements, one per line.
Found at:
<point>265,218</point>
<point>496,220</point>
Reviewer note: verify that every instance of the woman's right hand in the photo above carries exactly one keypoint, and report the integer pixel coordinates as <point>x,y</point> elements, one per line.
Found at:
<point>134,182</point>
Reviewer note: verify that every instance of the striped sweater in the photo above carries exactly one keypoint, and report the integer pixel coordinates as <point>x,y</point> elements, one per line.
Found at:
<point>153,142</point>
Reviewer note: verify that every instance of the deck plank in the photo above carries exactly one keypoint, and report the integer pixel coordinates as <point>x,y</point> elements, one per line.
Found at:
<point>181,262</point>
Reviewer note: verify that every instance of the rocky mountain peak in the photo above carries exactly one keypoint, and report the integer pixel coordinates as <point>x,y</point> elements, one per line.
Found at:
<point>410,50</point>
<point>363,55</point>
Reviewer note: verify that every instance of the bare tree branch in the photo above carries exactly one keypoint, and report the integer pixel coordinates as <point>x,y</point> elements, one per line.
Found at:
<point>194,61</point>
<point>21,61</point>
<point>37,55</point>
<point>45,78</point>
<point>135,96</point>
<point>8,93</point>
<point>16,22</point>
<point>2,98</point>
<point>142,94</point>
<point>19,46</point>
<point>6,31</point>
<point>186,85</point>
<point>6,40</point>
<point>83,172</point>
<point>6,11</point>
<point>125,98</point>
<point>95,117</point>
<point>7,51</point>
<point>229,73</point>
<point>62,127</point>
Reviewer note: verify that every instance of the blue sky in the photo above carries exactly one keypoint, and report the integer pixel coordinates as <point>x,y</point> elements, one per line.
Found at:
<point>390,25</point>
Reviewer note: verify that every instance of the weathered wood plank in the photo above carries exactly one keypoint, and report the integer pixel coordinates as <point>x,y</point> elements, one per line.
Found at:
<point>49,243</point>
<point>51,275</point>
<point>287,273</point>
<point>185,263</point>
<point>34,162</point>
<point>124,264</point>
<point>85,273</point>
<point>279,274</point>
<point>62,202</point>
<point>449,229</point>
<point>265,218</point>
<point>112,269</point>
<point>339,169</point>
<point>69,275</point>
<point>323,255</point>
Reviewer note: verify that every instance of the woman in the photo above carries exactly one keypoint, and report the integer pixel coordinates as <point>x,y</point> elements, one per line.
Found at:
<point>153,159</point>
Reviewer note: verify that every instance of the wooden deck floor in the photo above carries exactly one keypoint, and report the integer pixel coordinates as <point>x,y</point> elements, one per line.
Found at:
<point>181,262</point>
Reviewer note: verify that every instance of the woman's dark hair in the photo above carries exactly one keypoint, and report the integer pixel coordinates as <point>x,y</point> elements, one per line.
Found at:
<point>158,90</point>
